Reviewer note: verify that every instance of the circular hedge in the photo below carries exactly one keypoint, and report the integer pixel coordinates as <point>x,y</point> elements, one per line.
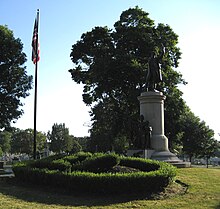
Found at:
<point>95,173</point>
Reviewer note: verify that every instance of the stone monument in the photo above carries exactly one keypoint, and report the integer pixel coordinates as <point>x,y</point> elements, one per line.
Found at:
<point>152,109</point>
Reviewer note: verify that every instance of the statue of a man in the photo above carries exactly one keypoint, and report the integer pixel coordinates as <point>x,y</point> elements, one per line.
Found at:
<point>148,135</point>
<point>146,132</point>
<point>154,75</point>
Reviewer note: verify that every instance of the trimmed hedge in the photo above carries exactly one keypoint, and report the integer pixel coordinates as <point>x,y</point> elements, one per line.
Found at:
<point>99,163</point>
<point>140,163</point>
<point>78,158</point>
<point>59,164</point>
<point>157,177</point>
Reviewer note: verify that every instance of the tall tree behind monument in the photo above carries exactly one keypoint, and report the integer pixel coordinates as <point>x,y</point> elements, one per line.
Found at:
<point>113,65</point>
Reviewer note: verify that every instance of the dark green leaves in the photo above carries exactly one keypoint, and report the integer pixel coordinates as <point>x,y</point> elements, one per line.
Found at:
<point>112,65</point>
<point>14,81</point>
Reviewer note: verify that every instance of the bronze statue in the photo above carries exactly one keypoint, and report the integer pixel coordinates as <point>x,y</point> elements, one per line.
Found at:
<point>154,75</point>
<point>146,131</point>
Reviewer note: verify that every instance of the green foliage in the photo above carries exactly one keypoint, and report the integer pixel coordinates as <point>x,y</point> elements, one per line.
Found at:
<point>217,152</point>
<point>59,164</point>
<point>14,81</point>
<point>1,152</point>
<point>5,141</point>
<point>112,65</point>
<point>120,144</point>
<point>99,163</point>
<point>76,147</point>
<point>83,142</point>
<point>139,163</point>
<point>203,192</point>
<point>97,183</point>
<point>158,176</point>
<point>78,157</point>
<point>22,141</point>
<point>60,140</point>
<point>197,137</point>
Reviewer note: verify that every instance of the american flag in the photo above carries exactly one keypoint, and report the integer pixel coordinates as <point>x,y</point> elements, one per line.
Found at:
<point>35,44</point>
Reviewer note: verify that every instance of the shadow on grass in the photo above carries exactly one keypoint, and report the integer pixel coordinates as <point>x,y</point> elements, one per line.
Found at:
<point>49,196</point>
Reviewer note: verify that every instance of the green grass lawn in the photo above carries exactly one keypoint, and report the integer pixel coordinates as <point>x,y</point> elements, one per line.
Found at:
<point>203,192</point>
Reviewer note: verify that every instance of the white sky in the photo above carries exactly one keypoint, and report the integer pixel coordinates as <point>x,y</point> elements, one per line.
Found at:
<point>197,22</point>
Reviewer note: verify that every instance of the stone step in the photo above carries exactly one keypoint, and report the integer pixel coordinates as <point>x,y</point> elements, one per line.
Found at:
<point>182,164</point>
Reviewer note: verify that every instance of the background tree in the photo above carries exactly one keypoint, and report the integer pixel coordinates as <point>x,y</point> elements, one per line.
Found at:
<point>76,146</point>
<point>60,140</point>
<point>14,81</point>
<point>5,141</point>
<point>112,65</point>
<point>209,146</point>
<point>197,138</point>
<point>217,152</point>
<point>83,142</point>
<point>22,141</point>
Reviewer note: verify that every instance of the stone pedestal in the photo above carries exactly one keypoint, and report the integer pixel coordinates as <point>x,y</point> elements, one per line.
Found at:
<point>152,108</point>
<point>146,153</point>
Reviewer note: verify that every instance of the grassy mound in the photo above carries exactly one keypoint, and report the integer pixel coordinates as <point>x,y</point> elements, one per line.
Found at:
<point>97,173</point>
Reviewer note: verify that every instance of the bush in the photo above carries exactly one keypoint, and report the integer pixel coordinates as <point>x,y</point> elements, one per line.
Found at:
<point>140,163</point>
<point>59,164</point>
<point>87,182</point>
<point>78,158</point>
<point>100,163</point>
<point>157,177</point>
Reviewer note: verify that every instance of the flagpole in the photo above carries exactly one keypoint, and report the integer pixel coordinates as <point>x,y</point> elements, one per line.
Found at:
<point>35,93</point>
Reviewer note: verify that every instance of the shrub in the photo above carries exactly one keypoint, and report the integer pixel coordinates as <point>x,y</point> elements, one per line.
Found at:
<point>100,163</point>
<point>78,158</point>
<point>157,177</point>
<point>87,182</point>
<point>140,163</point>
<point>45,162</point>
<point>59,164</point>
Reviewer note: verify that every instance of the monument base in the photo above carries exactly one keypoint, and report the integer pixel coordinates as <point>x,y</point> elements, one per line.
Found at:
<point>143,153</point>
<point>165,156</point>
<point>171,158</point>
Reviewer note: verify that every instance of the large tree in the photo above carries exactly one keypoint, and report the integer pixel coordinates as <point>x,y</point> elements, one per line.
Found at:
<point>22,141</point>
<point>14,81</point>
<point>197,138</point>
<point>60,140</point>
<point>5,141</point>
<point>112,65</point>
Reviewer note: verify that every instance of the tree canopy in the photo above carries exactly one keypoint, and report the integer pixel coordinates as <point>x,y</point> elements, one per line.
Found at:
<point>5,141</point>
<point>14,81</point>
<point>22,141</point>
<point>60,140</point>
<point>113,64</point>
